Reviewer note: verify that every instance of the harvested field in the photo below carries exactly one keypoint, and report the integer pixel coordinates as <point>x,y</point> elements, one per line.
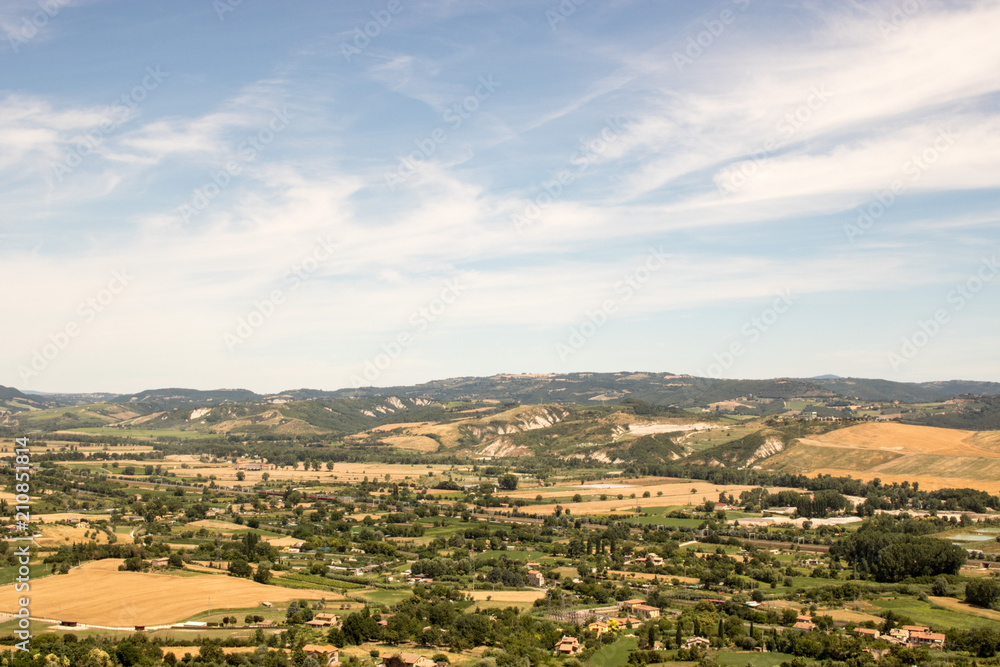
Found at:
<point>648,576</point>
<point>98,594</point>
<point>804,456</point>
<point>69,516</point>
<point>342,472</point>
<point>417,443</point>
<point>674,492</point>
<point>448,433</point>
<point>899,452</point>
<point>962,467</point>
<point>506,596</point>
<point>670,426</point>
<point>850,616</point>
<point>910,439</point>
<point>213,524</point>
<point>384,428</point>
<point>54,535</point>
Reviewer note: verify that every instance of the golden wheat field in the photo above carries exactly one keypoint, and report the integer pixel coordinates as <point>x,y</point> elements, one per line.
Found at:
<point>912,439</point>
<point>54,535</point>
<point>96,593</point>
<point>663,492</point>
<point>225,473</point>
<point>505,596</point>
<point>933,457</point>
<point>69,516</point>
<point>418,443</point>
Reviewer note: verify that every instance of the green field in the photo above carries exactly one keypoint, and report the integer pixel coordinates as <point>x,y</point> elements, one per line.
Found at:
<point>741,659</point>
<point>385,597</point>
<point>657,518</point>
<point>939,619</point>
<point>216,615</point>
<point>614,655</point>
<point>37,571</point>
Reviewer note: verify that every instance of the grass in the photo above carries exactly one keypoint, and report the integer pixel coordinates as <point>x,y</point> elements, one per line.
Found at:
<point>386,597</point>
<point>614,655</point>
<point>937,618</point>
<point>216,615</point>
<point>657,519</point>
<point>501,604</point>
<point>36,571</point>
<point>740,659</point>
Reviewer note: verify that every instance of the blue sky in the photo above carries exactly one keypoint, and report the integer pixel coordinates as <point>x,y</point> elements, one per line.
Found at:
<point>215,193</point>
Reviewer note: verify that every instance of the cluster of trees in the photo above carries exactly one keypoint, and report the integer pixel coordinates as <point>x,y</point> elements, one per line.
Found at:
<point>976,413</point>
<point>71,555</point>
<point>65,650</point>
<point>983,592</point>
<point>433,618</point>
<point>818,504</point>
<point>438,568</point>
<point>888,549</point>
<point>982,642</point>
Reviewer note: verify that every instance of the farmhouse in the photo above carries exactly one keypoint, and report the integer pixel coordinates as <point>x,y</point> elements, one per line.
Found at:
<point>535,578</point>
<point>932,639</point>
<point>599,627</point>
<point>646,611</point>
<point>910,629</point>
<point>409,660</point>
<point>568,646</point>
<point>324,620</point>
<point>159,562</point>
<point>326,654</point>
<point>627,605</point>
<point>693,642</point>
<point>254,466</point>
<point>916,635</point>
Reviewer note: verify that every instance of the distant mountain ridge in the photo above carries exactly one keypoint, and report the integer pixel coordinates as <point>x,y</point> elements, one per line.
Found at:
<point>549,388</point>
<point>907,392</point>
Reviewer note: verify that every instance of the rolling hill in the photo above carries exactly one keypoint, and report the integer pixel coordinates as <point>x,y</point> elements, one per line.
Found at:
<point>934,457</point>
<point>319,419</point>
<point>12,400</point>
